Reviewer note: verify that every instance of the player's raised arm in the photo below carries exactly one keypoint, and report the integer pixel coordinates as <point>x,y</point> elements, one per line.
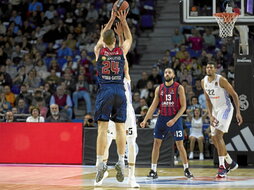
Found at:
<point>227,86</point>
<point>119,31</point>
<point>103,29</point>
<point>152,108</point>
<point>126,31</point>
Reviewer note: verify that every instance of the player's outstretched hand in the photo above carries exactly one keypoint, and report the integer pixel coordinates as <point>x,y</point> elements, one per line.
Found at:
<point>118,29</point>
<point>122,15</point>
<point>239,119</point>
<point>143,124</point>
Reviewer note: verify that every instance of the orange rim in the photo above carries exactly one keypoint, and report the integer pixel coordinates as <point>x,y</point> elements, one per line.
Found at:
<point>228,17</point>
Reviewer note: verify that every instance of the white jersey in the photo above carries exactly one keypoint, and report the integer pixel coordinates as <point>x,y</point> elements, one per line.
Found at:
<point>130,124</point>
<point>218,95</point>
<point>196,129</point>
<point>222,107</point>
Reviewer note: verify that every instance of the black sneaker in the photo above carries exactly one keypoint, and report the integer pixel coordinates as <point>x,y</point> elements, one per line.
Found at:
<point>231,167</point>
<point>188,174</point>
<point>152,174</point>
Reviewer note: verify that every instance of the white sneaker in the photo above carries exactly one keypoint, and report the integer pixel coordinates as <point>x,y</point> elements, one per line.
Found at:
<point>201,156</point>
<point>105,175</point>
<point>132,182</point>
<point>191,155</point>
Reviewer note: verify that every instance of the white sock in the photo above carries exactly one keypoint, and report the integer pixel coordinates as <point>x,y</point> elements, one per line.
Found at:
<point>221,161</point>
<point>121,158</point>
<point>185,166</point>
<point>154,167</point>
<point>99,159</point>
<point>228,159</point>
<point>131,171</point>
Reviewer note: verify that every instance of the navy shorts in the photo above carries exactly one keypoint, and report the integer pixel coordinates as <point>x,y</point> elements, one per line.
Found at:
<point>161,129</point>
<point>110,103</point>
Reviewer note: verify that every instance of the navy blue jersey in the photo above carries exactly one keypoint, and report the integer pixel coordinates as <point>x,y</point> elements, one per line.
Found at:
<point>110,66</point>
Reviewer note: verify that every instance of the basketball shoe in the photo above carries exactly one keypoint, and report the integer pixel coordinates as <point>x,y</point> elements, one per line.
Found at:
<point>119,171</point>
<point>231,167</point>
<point>152,174</point>
<point>222,172</point>
<point>100,182</point>
<point>188,174</point>
<point>101,169</point>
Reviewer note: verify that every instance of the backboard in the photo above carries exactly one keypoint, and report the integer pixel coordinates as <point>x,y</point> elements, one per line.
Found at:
<point>200,12</point>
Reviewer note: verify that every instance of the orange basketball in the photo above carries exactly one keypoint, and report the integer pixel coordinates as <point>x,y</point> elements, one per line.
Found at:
<point>121,5</point>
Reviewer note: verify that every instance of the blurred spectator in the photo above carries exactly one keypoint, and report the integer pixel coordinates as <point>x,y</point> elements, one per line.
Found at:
<point>64,50</point>
<point>142,102</point>
<point>178,38</point>
<point>33,80</point>
<point>196,131</point>
<point>4,105</point>
<point>209,40</point>
<point>197,89</point>
<point>135,100</point>
<point>82,91</point>
<point>193,104</point>
<point>53,79</point>
<point>62,100</point>
<point>56,116</point>
<point>3,56</point>
<point>7,77</point>
<point>24,94</point>
<point>22,107</point>
<point>196,40</point>
<point>11,68</point>
<point>40,103</point>
<point>149,88</point>
<point>21,76</point>
<point>69,82</point>
<point>88,121</point>
<point>9,117</point>
<point>181,54</point>
<point>185,75</point>
<point>155,76</point>
<point>35,115</point>
<point>9,96</point>
<point>202,100</point>
<point>141,84</point>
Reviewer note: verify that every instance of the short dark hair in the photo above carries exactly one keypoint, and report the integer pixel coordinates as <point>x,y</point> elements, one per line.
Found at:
<point>170,69</point>
<point>212,63</point>
<point>108,37</point>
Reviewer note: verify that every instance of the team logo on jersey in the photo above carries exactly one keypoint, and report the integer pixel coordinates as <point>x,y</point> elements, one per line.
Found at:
<point>172,91</point>
<point>162,93</point>
<point>244,104</point>
<point>103,58</point>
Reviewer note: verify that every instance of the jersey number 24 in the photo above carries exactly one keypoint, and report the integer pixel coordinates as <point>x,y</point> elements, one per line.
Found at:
<point>110,66</point>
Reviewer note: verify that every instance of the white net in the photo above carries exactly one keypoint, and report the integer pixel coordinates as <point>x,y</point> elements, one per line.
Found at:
<point>226,22</point>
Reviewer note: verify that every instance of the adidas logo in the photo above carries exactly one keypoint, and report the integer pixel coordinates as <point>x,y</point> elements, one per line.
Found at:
<point>242,142</point>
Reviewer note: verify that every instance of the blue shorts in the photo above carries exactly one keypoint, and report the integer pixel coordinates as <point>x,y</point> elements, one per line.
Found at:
<point>161,129</point>
<point>110,103</point>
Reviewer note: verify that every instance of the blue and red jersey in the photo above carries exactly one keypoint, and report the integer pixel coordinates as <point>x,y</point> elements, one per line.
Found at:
<point>169,99</point>
<point>110,66</point>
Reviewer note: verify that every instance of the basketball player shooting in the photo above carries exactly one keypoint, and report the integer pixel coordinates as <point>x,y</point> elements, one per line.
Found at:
<point>111,99</point>
<point>130,124</point>
<point>220,109</point>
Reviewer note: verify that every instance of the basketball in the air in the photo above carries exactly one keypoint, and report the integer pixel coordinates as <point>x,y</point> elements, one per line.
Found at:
<point>121,5</point>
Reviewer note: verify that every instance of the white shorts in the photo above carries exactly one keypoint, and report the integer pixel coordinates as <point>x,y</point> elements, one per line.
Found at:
<point>224,116</point>
<point>196,135</point>
<point>130,124</point>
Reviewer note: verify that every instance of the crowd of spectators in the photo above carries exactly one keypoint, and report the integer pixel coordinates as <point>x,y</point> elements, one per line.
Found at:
<point>46,53</point>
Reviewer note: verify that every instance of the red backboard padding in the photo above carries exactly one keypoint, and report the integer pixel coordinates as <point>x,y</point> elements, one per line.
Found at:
<point>41,143</point>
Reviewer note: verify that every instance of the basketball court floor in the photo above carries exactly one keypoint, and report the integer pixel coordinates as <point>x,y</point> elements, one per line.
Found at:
<point>79,177</point>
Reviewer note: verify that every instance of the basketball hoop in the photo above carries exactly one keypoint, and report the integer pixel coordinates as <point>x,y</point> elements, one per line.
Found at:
<point>226,22</point>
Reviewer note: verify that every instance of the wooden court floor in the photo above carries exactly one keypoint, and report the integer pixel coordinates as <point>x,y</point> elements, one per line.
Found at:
<point>78,177</point>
